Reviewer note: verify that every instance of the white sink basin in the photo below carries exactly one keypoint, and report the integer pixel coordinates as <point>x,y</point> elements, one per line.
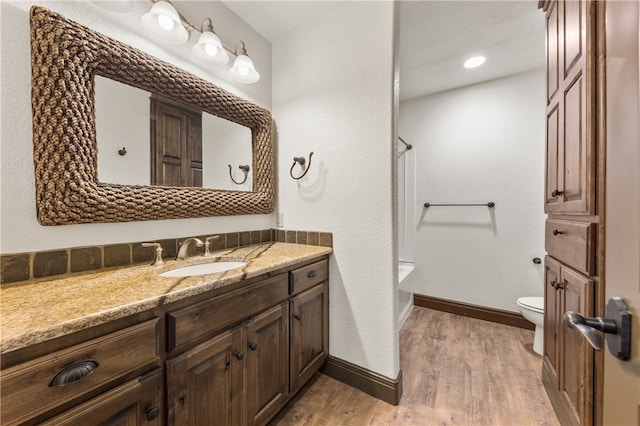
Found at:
<point>203,269</point>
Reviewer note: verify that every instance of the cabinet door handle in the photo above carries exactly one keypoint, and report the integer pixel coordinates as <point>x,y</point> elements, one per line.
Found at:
<point>554,284</point>
<point>297,317</point>
<point>556,232</point>
<point>555,193</point>
<point>74,372</point>
<point>253,346</point>
<point>312,273</point>
<point>239,355</point>
<point>152,413</point>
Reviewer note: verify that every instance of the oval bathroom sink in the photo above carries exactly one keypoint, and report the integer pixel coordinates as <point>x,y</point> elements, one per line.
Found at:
<point>203,269</point>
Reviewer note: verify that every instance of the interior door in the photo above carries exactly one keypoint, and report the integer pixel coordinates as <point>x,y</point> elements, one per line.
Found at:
<point>621,400</point>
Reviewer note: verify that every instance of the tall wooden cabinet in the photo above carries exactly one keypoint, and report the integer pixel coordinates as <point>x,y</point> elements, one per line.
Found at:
<point>572,200</point>
<point>570,178</point>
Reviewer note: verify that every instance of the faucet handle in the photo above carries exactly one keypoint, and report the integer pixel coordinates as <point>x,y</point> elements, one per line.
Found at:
<point>207,244</point>
<point>157,261</point>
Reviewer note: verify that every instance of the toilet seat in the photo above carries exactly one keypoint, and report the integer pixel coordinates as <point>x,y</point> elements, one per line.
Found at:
<point>534,303</point>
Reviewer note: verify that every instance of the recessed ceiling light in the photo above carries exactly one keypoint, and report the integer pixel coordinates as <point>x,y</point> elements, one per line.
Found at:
<point>476,61</point>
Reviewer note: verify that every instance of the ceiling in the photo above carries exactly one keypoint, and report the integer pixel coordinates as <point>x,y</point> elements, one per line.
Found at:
<point>436,37</point>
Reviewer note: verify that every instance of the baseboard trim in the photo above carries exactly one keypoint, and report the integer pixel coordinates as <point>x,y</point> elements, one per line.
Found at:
<point>369,382</point>
<point>473,311</point>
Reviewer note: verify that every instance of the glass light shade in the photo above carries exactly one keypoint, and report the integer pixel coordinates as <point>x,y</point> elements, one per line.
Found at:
<point>243,70</point>
<point>120,6</point>
<point>164,22</point>
<point>209,48</point>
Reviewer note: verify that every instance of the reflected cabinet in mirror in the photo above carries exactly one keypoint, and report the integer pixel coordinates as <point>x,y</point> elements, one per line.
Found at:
<point>122,136</point>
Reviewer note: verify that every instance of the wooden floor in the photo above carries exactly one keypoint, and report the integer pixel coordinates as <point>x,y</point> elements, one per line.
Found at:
<point>456,371</point>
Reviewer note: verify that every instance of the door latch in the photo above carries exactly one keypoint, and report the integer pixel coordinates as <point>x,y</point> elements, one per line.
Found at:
<point>616,327</point>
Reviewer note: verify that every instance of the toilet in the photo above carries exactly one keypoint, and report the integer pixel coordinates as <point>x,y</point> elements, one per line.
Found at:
<point>532,308</point>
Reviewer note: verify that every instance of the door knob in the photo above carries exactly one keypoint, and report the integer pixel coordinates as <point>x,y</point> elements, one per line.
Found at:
<point>616,327</point>
<point>555,193</point>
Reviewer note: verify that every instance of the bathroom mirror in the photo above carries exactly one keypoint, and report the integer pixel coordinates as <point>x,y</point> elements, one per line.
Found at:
<point>131,123</point>
<point>65,58</point>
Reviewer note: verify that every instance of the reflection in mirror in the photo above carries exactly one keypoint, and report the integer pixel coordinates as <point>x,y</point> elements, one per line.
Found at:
<point>166,143</point>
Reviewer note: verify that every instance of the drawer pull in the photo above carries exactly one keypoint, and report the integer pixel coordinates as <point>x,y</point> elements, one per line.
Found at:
<point>239,355</point>
<point>253,346</point>
<point>74,372</point>
<point>152,413</point>
<point>312,273</point>
<point>555,193</point>
<point>297,317</point>
<point>556,232</point>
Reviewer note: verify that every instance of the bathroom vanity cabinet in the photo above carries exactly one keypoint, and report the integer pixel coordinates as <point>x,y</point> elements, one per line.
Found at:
<point>574,198</point>
<point>232,356</point>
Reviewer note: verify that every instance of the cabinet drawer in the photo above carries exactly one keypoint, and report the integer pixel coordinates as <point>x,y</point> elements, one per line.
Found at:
<point>127,404</point>
<point>188,325</point>
<point>308,276</point>
<point>28,389</point>
<point>572,243</point>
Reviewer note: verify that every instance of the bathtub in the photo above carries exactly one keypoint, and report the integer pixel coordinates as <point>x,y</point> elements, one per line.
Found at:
<point>405,294</point>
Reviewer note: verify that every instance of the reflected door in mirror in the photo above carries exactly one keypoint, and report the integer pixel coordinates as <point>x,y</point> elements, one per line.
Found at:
<point>176,145</point>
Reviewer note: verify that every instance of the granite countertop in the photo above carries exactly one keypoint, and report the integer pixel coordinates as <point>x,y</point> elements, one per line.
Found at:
<point>35,311</point>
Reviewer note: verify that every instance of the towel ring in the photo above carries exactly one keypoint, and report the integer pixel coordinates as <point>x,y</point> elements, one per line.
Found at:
<point>301,161</point>
<point>245,170</point>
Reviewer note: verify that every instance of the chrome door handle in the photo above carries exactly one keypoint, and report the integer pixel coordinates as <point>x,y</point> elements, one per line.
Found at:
<point>617,328</point>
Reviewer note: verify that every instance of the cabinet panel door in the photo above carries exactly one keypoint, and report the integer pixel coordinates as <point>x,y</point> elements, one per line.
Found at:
<point>570,108</point>
<point>576,381</point>
<point>309,333</point>
<point>553,68</point>
<point>553,312</point>
<point>553,160</point>
<point>135,403</point>
<point>267,363</point>
<point>204,385</point>
<point>576,168</point>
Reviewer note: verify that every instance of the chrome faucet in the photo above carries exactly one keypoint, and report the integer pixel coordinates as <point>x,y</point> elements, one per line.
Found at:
<point>183,251</point>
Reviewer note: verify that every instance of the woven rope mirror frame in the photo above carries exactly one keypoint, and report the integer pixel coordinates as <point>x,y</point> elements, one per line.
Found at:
<point>65,57</point>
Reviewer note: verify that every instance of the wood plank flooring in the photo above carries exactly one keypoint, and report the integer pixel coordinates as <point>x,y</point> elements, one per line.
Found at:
<point>456,371</point>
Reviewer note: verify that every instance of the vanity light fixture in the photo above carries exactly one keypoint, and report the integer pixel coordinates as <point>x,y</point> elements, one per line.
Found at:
<point>166,23</point>
<point>475,61</point>
<point>209,48</point>
<point>243,70</point>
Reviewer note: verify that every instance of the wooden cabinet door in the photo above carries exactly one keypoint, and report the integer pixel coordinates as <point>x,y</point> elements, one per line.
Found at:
<point>577,355</point>
<point>553,310</point>
<point>309,333</point>
<point>267,374</point>
<point>570,182</point>
<point>204,385</point>
<point>135,403</point>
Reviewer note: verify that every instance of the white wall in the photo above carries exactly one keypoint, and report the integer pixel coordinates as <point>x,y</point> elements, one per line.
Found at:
<point>477,144</point>
<point>122,121</point>
<point>333,95</point>
<point>20,229</point>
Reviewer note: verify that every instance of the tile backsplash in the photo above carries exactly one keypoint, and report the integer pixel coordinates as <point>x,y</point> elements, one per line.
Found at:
<point>25,266</point>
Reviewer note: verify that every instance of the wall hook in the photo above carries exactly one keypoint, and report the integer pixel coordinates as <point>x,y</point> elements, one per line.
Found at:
<point>245,169</point>
<point>301,161</point>
<point>122,151</point>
